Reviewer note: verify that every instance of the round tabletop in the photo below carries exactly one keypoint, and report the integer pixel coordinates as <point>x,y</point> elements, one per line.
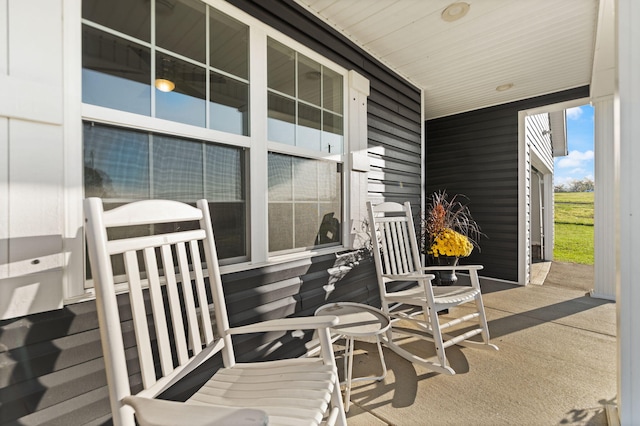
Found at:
<point>356,319</point>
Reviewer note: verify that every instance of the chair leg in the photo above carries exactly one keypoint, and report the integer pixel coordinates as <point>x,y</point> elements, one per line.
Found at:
<point>348,362</point>
<point>475,282</point>
<point>437,335</point>
<point>336,401</point>
<point>482,319</point>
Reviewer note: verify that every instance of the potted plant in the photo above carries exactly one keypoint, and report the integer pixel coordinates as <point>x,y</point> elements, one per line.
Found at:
<point>448,232</point>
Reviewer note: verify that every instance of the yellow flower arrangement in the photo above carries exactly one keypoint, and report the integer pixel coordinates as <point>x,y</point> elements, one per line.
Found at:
<point>450,243</point>
<point>448,228</point>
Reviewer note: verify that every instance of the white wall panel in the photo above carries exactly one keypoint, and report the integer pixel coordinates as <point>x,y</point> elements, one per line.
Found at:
<point>30,294</point>
<point>35,196</point>
<point>35,218</point>
<point>3,37</point>
<point>628,291</point>
<point>31,157</point>
<point>4,198</point>
<point>35,40</point>
<point>31,54</point>
<point>30,100</point>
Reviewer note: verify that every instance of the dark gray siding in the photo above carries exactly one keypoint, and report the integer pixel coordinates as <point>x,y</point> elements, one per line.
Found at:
<point>476,154</point>
<point>394,124</point>
<point>51,368</point>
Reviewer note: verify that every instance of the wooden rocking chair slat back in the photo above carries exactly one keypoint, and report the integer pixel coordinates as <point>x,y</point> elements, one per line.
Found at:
<point>179,317</point>
<point>396,236</point>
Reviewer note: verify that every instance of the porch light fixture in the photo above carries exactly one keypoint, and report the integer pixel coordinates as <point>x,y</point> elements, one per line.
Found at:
<point>164,85</point>
<point>455,11</point>
<point>504,87</point>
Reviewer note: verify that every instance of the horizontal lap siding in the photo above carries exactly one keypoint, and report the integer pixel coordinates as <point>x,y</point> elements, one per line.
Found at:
<point>535,126</point>
<point>476,154</point>
<point>51,368</point>
<point>394,151</point>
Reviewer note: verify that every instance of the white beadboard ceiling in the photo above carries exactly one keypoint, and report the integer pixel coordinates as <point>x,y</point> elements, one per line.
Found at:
<point>539,46</point>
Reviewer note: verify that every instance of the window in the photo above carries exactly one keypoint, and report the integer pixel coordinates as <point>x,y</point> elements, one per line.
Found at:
<point>305,202</point>
<point>167,114</point>
<point>305,101</point>
<point>183,76</point>
<point>122,165</point>
<point>305,106</point>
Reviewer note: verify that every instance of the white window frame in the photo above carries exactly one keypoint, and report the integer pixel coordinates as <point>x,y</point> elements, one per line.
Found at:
<point>355,164</point>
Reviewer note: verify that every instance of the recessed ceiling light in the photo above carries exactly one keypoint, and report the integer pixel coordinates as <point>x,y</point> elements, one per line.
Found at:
<point>455,11</point>
<point>504,87</point>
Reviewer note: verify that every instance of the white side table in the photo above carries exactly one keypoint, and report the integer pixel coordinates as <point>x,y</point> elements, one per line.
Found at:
<point>356,320</point>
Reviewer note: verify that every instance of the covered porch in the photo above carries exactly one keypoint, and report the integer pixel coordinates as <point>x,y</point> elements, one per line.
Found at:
<point>585,351</point>
<point>556,364</point>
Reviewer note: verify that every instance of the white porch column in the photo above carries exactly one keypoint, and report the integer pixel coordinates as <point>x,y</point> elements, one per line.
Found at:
<point>606,165</point>
<point>628,286</point>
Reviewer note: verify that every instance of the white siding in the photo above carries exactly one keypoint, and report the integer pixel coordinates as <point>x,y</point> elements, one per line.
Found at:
<point>540,197</point>
<point>31,148</point>
<point>539,137</point>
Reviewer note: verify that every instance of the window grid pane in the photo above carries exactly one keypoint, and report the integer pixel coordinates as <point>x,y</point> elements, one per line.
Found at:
<point>281,68</point>
<point>116,163</point>
<point>229,44</point>
<point>309,80</point>
<point>229,106</point>
<point>123,165</point>
<point>181,28</point>
<point>177,169</point>
<point>281,119</point>
<point>131,17</point>
<point>186,102</point>
<point>305,203</point>
<point>115,72</point>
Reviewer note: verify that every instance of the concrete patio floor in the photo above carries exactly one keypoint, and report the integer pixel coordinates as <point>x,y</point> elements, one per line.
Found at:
<point>556,364</point>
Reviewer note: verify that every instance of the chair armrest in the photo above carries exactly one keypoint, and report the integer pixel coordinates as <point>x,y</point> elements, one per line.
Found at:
<point>285,324</point>
<point>448,268</point>
<point>409,277</point>
<point>158,412</point>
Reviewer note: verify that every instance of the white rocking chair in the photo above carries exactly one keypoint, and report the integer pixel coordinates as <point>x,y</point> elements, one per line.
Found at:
<point>397,259</point>
<point>290,392</point>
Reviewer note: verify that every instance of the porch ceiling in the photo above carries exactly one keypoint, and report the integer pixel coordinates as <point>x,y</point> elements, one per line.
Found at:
<point>538,46</point>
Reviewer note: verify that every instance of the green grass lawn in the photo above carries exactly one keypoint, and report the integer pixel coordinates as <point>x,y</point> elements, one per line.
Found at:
<point>573,219</point>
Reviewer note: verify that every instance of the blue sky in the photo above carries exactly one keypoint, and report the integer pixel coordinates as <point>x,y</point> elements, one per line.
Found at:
<point>578,164</point>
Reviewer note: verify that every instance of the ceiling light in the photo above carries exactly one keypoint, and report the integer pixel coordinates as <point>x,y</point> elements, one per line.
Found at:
<point>504,87</point>
<point>455,11</point>
<point>165,85</point>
